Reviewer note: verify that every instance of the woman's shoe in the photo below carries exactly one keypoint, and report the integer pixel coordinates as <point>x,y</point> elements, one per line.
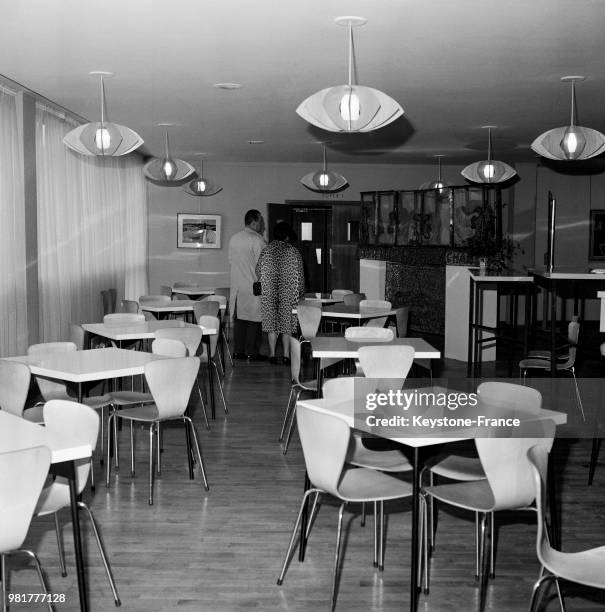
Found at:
<point>286,360</point>
<point>273,360</point>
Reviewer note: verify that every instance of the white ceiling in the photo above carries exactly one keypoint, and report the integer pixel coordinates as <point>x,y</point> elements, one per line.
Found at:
<point>453,65</point>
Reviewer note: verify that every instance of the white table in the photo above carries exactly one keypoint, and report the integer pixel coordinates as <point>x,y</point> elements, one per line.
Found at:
<point>323,298</point>
<point>355,313</point>
<point>194,291</point>
<point>140,330</point>
<point>18,434</point>
<point>90,365</point>
<point>176,306</point>
<point>409,437</point>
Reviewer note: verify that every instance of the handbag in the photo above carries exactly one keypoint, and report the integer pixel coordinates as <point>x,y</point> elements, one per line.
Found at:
<point>257,288</point>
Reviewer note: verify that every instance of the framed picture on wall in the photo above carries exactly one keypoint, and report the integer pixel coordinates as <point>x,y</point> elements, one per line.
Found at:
<point>597,235</point>
<point>198,231</point>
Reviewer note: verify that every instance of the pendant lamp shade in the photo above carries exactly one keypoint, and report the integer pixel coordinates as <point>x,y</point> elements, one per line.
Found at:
<point>102,138</point>
<point>439,184</point>
<point>572,142</point>
<point>202,185</point>
<point>351,107</point>
<point>324,180</point>
<point>489,170</point>
<point>167,171</point>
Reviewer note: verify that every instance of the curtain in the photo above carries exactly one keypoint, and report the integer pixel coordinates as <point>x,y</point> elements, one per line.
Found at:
<point>92,229</point>
<point>13,300</point>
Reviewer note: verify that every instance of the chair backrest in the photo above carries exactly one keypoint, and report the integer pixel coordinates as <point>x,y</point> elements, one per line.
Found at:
<point>14,385</point>
<point>221,299</point>
<point>375,305</point>
<point>51,389</point>
<point>149,316</point>
<point>538,460</point>
<point>510,395</point>
<point>211,323</point>
<point>166,290</point>
<point>296,359</point>
<point>401,319</point>
<point>190,336</point>
<point>347,387</point>
<point>78,422</point>
<point>122,318</point>
<point>325,440</point>
<point>154,299</point>
<point>128,306</point>
<point>340,293</point>
<point>204,308</point>
<point>170,382</point>
<point>309,318</point>
<point>76,335</point>
<point>388,361</point>
<point>22,475</point>
<point>506,466</point>
<point>224,291</point>
<point>179,296</point>
<point>361,334</point>
<point>353,299</point>
<point>169,347</point>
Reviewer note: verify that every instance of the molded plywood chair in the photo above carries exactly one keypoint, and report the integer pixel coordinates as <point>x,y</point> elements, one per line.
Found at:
<point>222,301</point>
<point>375,305</point>
<point>170,382</point>
<point>212,323</point>
<point>325,442</point>
<point>584,567</point>
<point>15,378</point>
<point>375,334</point>
<point>508,484</point>
<point>309,318</point>
<point>166,290</point>
<point>128,306</point>
<point>22,475</point>
<point>203,308</point>
<point>81,423</point>
<point>122,318</point>
<point>340,293</point>
<point>353,299</point>
<point>541,360</point>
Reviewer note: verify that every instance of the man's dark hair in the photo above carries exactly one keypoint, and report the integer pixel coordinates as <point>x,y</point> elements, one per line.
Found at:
<point>284,231</point>
<point>251,216</point>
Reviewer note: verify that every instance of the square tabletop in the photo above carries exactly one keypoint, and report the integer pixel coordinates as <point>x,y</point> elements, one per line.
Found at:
<point>341,347</point>
<point>89,365</point>
<point>139,330</point>
<point>173,306</point>
<point>343,311</point>
<point>324,298</point>
<point>193,290</point>
<point>18,434</point>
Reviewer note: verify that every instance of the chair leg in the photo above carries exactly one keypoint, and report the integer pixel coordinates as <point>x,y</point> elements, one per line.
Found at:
<point>578,398</point>
<point>131,449</point>
<point>477,546</point>
<point>485,539</point>
<point>424,539</point>
<point>34,558</point>
<point>381,537</point>
<point>312,515</point>
<point>102,435</point>
<point>286,414</point>
<point>189,422</point>
<point>594,457</point>
<point>3,580</point>
<point>151,464</point>
<point>158,436</point>
<point>492,543</point>
<point>108,463</point>
<point>282,574</point>
<point>115,443</point>
<point>363,514</point>
<point>537,591</point>
<point>220,386</point>
<point>199,390</point>
<point>337,555</point>
<point>376,530</point>
<point>60,546</point>
<point>292,419</point>
<point>226,344</point>
<point>103,553</point>
<point>92,475</point>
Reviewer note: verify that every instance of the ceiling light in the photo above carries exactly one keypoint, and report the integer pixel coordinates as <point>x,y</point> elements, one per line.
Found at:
<point>256,142</point>
<point>439,184</point>
<point>489,170</point>
<point>202,185</point>
<point>229,86</point>
<point>573,141</point>
<point>351,107</point>
<point>167,171</point>
<point>324,180</point>
<point>102,138</point>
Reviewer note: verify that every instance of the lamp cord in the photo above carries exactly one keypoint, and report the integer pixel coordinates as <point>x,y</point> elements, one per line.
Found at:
<point>350,54</point>
<point>573,98</point>
<point>103,112</point>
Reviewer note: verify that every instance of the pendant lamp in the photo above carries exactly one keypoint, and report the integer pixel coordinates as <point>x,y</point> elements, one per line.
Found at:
<point>102,138</point>
<point>324,180</point>
<point>202,185</point>
<point>351,107</point>
<point>489,170</point>
<point>440,185</point>
<point>167,171</point>
<point>573,141</point>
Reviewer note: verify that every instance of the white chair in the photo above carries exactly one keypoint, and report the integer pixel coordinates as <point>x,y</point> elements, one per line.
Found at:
<point>366,305</point>
<point>508,485</point>
<point>583,567</point>
<point>15,378</point>
<point>325,441</point>
<point>340,293</point>
<point>565,362</point>
<point>465,465</point>
<point>128,306</point>
<point>170,382</point>
<point>353,299</point>
<point>118,319</point>
<point>209,359</point>
<point>22,475</point>
<point>79,423</point>
<point>375,334</point>
<point>222,301</point>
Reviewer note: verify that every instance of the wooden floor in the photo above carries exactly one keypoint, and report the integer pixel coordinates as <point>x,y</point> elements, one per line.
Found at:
<point>222,550</point>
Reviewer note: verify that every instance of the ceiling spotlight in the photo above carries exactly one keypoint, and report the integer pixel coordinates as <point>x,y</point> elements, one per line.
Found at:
<point>489,170</point>
<point>167,171</point>
<point>324,180</point>
<point>102,138</point>
<point>573,141</point>
<point>351,107</point>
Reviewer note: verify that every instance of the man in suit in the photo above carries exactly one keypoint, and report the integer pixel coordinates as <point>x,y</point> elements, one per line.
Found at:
<point>244,251</point>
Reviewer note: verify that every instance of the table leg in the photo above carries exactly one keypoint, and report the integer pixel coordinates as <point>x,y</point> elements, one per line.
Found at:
<point>553,330</point>
<point>302,548</point>
<point>553,507</point>
<point>479,336</point>
<point>415,522</point>
<point>471,330</point>
<point>210,380</point>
